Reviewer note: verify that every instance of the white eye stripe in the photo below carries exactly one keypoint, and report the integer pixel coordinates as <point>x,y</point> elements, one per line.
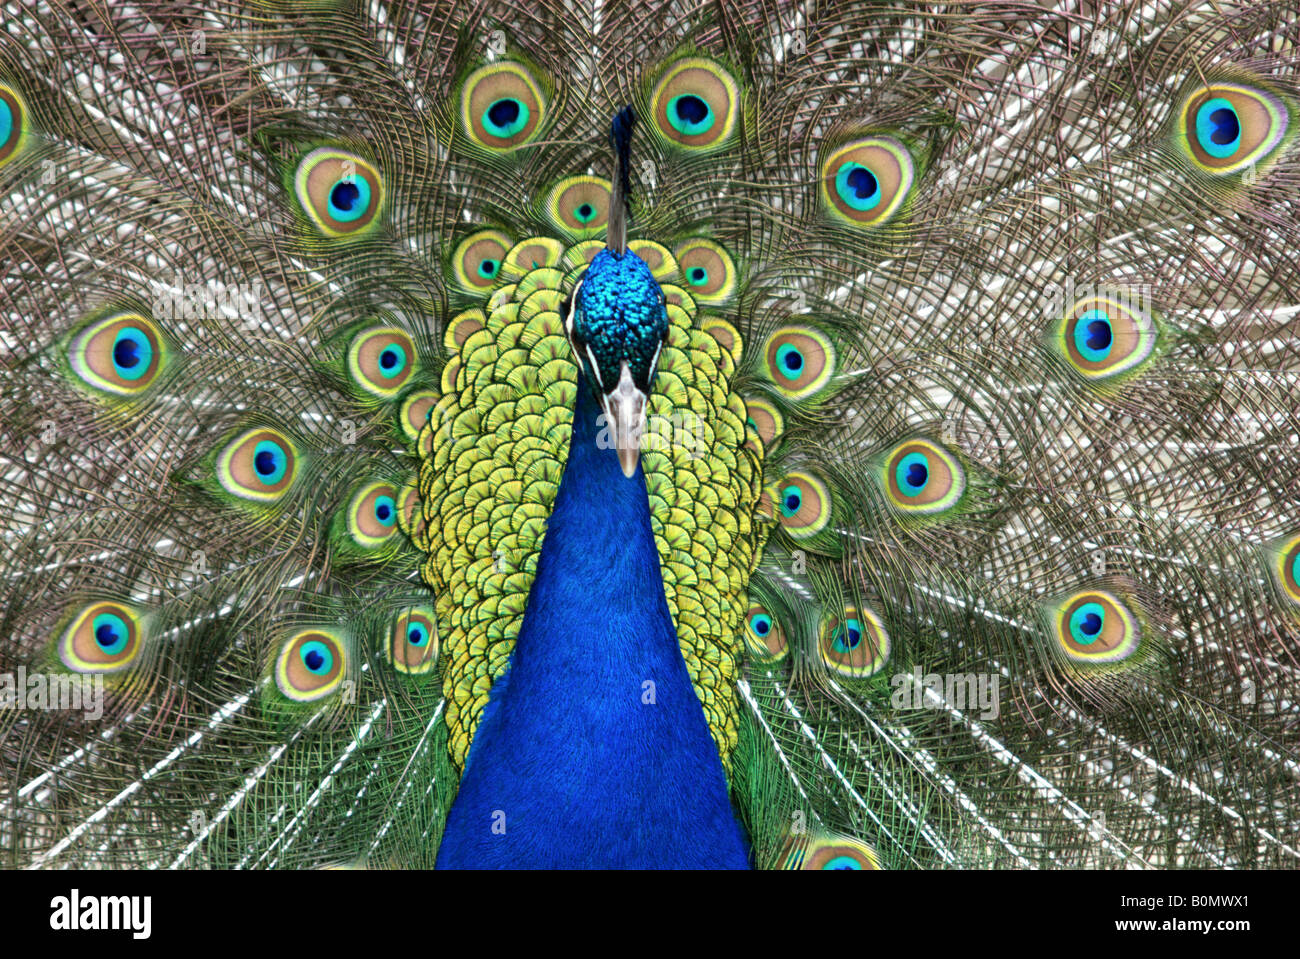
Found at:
<point>595,369</point>
<point>573,309</point>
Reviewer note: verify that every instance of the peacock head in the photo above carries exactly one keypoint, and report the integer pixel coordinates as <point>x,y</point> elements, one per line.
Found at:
<point>616,324</point>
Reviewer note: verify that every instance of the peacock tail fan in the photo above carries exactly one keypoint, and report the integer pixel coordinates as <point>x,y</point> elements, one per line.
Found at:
<point>971,454</point>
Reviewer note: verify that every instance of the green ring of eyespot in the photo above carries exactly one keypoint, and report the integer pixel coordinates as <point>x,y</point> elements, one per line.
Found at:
<point>850,195</point>
<point>359,207</point>
<point>755,620</point>
<point>1082,332</point>
<point>398,367</point>
<point>1205,127</point>
<point>842,862</point>
<point>327,657</point>
<point>687,128</point>
<point>790,373</point>
<point>6,123</point>
<point>421,633</point>
<point>381,501</point>
<point>279,457</point>
<point>511,128</point>
<point>1076,623</point>
<point>842,631</point>
<point>786,495</point>
<point>121,633</point>
<point>692,279</point>
<point>904,469</point>
<point>144,358</point>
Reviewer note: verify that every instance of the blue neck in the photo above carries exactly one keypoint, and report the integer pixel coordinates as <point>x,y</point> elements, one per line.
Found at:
<point>593,749</point>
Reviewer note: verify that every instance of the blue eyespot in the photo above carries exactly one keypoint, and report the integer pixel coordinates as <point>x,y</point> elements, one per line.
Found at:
<point>6,122</point>
<point>111,633</point>
<point>317,657</point>
<point>912,474</point>
<point>385,510</point>
<point>584,213</point>
<point>791,500</point>
<point>760,624</point>
<point>132,353</point>
<point>505,117</point>
<point>697,276</point>
<point>847,636</point>
<point>488,268</point>
<point>690,115</point>
<point>1086,623</point>
<point>1093,336</point>
<point>349,198</point>
<point>270,462</point>
<point>1218,128</point>
<point>789,361</point>
<point>417,635</point>
<point>392,360</point>
<point>842,862</point>
<point>858,187</point>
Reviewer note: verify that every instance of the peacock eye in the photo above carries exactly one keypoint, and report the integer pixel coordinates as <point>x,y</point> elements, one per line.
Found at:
<point>13,119</point>
<point>708,270</point>
<point>413,641</point>
<point>922,478</point>
<point>800,360</point>
<point>372,515</point>
<point>763,635</point>
<point>502,106</point>
<point>765,419</point>
<point>414,413</point>
<point>854,644</point>
<point>121,354</point>
<point>846,636</point>
<point>310,666</point>
<point>839,852</point>
<point>867,181</point>
<point>478,258</point>
<point>1227,127</point>
<point>1102,337</point>
<point>381,360</point>
<point>803,505</point>
<point>1095,627</point>
<point>694,104</point>
<point>102,638</point>
<point>259,464</point>
<point>1288,568</point>
<point>579,205</point>
<point>339,191</point>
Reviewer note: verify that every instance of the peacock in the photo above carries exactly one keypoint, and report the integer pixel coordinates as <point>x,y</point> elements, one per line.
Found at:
<point>755,434</point>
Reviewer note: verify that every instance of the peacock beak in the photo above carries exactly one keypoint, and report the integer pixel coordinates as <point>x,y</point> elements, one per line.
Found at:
<point>624,407</point>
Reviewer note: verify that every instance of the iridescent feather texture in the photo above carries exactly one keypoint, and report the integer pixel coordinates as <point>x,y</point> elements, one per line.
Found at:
<point>883,455</point>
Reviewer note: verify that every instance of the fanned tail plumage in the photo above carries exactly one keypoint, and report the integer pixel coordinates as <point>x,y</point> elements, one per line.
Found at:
<point>976,498</point>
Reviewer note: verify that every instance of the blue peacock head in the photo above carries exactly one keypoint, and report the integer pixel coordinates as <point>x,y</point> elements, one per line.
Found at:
<point>617,321</point>
<point>617,325</point>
